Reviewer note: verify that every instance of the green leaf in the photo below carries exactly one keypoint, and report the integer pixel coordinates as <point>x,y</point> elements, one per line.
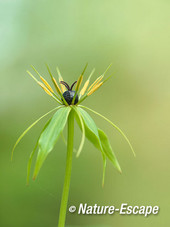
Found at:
<point>91,130</point>
<point>23,134</point>
<point>50,136</point>
<point>115,126</point>
<point>33,152</point>
<point>99,139</point>
<point>92,134</point>
<point>108,149</point>
<point>89,123</point>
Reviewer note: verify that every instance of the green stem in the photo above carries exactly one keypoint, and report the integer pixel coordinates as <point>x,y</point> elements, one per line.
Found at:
<point>64,200</point>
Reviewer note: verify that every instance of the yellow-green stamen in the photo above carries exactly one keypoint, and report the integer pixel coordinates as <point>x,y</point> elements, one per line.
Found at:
<point>97,86</point>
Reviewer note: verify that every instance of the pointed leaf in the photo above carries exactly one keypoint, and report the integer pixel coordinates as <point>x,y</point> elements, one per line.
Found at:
<point>91,130</point>
<point>115,126</point>
<point>50,136</point>
<point>92,135</point>
<point>108,149</point>
<point>102,139</point>
<point>99,140</point>
<point>33,152</point>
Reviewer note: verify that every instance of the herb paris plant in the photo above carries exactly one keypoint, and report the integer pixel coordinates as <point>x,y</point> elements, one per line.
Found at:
<point>69,109</point>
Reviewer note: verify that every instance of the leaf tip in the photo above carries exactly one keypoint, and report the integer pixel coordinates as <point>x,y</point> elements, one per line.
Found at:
<point>118,167</point>
<point>32,66</point>
<point>12,153</point>
<point>77,155</point>
<point>120,171</point>
<point>102,184</point>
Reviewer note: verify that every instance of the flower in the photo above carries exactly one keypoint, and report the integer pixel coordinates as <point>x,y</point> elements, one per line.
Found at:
<point>69,101</point>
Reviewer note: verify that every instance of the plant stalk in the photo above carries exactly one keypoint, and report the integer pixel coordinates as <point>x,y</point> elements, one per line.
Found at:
<point>64,200</point>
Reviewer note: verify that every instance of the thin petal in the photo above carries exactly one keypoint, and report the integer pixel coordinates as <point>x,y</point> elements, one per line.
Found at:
<point>83,90</point>
<point>95,88</point>
<point>45,89</point>
<point>47,84</point>
<point>61,79</point>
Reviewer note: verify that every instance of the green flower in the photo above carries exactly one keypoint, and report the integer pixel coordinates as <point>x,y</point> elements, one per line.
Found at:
<point>69,108</point>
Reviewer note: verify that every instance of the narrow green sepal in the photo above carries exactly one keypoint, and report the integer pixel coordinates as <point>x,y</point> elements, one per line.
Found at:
<point>34,123</point>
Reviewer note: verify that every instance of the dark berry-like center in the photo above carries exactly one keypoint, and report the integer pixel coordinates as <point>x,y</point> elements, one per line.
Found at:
<point>68,95</point>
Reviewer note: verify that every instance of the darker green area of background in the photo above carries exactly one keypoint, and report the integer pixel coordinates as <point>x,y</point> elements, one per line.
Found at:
<point>134,35</point>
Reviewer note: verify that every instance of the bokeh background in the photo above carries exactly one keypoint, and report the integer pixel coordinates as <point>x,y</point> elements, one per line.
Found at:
<point>134,36</point>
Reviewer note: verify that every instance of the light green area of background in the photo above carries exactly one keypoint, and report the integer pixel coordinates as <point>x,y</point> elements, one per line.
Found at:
<point>134,35</point>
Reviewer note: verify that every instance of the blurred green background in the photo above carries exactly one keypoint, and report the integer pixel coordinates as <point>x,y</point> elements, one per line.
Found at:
<point>134,35</point>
